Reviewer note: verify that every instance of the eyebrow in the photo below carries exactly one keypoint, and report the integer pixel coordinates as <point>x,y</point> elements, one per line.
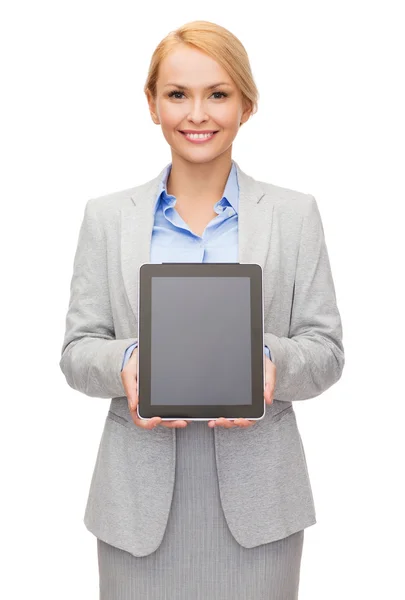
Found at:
<point>209,87</point>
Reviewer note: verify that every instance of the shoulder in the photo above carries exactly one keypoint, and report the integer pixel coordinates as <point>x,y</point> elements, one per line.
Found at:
<point>294,211</point>
<point>285,200</point>
<point>298,212</point>
<point>288,199</point>
<point>110,204</point>
<point>111,201</point>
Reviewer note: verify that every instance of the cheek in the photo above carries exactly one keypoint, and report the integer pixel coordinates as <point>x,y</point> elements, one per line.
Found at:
<point>226,116</point>
<point>170,116</point>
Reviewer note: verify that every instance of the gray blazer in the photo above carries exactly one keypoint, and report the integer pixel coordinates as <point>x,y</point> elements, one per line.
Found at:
<point>262,472</point>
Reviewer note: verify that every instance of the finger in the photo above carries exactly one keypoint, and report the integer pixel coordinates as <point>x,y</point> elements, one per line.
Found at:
<point>222,422</point>
<point>130,381</point>
<point>271,393</point>
<point>226,423</point>
<point>268,393</point>
<point>171,424</point>
<point>130,384</point>
<point>245,422</point>
<point>147,423</point>
<point>216,422</point>
<point>242,422</point>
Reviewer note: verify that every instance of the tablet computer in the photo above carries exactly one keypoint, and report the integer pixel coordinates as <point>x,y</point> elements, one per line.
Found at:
<point>200,341</point>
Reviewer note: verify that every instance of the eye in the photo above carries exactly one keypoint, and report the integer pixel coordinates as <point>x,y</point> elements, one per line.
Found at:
<point>171,94</point>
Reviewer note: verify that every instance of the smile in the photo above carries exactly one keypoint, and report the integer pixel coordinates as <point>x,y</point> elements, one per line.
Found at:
<point>198,138</point>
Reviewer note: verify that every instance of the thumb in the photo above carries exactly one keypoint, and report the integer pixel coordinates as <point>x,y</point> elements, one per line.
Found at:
<point>132,392</point>
<point>268,393</point>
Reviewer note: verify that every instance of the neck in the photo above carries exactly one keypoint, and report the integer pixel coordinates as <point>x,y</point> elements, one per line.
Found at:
<point>202,183</point>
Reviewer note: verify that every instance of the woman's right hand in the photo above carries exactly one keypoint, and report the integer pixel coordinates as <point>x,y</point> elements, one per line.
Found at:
<point>129,376</point>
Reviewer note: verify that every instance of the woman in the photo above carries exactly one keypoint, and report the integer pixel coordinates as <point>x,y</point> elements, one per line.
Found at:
<point>201,510</point>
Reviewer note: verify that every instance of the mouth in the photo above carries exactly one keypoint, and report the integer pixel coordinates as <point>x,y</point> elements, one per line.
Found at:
<point>198,132</point>
<point>198,137</point>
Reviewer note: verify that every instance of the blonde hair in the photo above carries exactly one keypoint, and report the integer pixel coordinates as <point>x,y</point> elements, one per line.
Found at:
<point>220,44</point>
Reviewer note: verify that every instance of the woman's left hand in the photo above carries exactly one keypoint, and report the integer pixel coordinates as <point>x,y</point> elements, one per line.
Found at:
<point>270,378</point>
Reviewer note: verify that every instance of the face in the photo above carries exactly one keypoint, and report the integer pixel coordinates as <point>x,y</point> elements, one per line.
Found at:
<point>197,106</point>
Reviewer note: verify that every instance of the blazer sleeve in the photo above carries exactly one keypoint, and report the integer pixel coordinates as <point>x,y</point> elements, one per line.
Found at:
<point>91,356</point>
<point>311,358</point>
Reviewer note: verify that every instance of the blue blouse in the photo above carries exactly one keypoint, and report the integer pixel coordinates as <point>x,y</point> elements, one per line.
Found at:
<point>173,240</point>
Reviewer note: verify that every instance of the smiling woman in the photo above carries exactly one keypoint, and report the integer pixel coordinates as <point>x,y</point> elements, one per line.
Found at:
<point>200,91</point>
<point>201,510</point>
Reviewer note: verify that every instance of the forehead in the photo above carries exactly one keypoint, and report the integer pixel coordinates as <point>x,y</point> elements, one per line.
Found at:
<point>191,67</point>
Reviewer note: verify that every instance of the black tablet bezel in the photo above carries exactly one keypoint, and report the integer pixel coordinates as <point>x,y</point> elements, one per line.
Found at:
<point>145,410</point>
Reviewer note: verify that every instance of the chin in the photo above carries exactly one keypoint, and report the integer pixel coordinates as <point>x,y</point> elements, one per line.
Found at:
<point>192,157</point>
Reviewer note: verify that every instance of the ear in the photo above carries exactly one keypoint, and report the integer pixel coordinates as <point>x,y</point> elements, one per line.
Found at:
<point>247,111</point>
<point>152,107</point>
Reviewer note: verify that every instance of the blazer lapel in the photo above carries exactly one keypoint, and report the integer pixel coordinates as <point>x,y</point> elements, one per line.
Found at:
<point>137,220</point>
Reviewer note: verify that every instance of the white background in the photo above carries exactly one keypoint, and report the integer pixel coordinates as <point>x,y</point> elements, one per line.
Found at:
<point>75,125</point>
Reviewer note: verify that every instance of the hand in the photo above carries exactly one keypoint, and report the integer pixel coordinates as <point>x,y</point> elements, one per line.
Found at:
<point>129,376</point>
<point>270,379</point>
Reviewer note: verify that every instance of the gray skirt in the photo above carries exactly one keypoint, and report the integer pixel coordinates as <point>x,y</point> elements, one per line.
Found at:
<point>198,558</point>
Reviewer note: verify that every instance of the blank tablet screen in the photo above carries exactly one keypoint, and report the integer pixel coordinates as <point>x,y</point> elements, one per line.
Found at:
<point>201,328</point>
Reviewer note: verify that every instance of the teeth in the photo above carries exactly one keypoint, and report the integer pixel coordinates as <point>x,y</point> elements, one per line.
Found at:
<point>196,136</point>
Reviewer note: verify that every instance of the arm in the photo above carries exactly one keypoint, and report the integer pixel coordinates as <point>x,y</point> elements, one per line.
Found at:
<point>311,358</point>
<point>91,356</point>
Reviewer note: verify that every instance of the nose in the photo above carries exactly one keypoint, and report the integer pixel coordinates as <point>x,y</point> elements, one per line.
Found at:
<point>197,113</point>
